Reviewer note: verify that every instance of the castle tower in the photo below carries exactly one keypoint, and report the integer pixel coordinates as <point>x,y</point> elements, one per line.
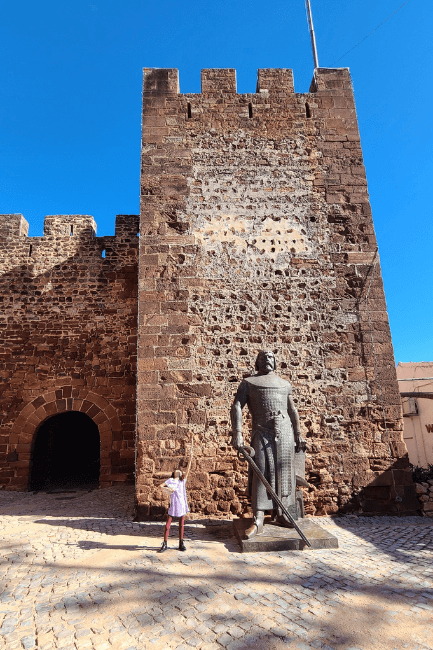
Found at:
<point>256,232</point>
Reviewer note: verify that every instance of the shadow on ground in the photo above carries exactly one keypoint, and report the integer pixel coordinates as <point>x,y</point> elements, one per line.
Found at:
<point>195,530</point>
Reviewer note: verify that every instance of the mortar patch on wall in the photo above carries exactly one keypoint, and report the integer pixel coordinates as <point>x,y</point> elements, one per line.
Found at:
<point>245,204</point>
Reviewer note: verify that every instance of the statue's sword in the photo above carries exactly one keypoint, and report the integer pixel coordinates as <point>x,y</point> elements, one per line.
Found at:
<point>272,494</point>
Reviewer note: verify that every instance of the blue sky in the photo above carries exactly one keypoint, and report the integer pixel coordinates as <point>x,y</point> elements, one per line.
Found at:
<point>70,103</point>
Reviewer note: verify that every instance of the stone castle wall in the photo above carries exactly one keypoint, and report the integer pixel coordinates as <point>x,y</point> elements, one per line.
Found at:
<point>68,335</point>
<point>256,232</point>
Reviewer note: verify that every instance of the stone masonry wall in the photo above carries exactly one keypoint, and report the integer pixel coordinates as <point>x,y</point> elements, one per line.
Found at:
<point>424,492</point>
<point>68,335</point>
<point>256,232</point>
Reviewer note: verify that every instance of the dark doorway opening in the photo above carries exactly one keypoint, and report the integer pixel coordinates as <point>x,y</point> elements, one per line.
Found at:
<point>66,453</point>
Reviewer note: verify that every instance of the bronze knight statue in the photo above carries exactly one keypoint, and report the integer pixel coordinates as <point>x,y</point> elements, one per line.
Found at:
<point>276,440</point>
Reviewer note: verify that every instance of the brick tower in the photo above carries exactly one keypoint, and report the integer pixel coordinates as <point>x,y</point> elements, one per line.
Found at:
<point>256,232</point>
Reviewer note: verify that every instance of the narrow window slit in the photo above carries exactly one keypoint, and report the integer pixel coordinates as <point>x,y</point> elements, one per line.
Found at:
<point>189,110</point>
<point>250,110</point>
<point>307,110</point>
<point>30,250</point>
<point>72,231</point>
<point>103,253</point>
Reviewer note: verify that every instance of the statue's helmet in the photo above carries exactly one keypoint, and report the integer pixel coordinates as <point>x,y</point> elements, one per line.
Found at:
<point>261,355</point>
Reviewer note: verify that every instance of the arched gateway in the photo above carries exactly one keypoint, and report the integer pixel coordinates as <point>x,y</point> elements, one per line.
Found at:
<point>38,426</point>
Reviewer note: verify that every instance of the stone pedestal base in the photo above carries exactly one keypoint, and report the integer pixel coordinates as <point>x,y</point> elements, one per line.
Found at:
<point>278,538</point>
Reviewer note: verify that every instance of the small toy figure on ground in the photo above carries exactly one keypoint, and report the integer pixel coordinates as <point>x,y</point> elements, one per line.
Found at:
<point>178,504</point>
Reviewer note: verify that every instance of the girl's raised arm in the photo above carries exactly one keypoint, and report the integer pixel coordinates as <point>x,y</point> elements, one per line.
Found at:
<point>190,460</point>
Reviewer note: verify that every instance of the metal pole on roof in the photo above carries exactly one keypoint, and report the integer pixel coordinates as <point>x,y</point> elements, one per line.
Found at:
<point>312,35</point>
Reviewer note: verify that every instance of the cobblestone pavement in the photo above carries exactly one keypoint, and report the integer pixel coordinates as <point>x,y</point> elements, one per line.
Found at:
<point>78,574</point>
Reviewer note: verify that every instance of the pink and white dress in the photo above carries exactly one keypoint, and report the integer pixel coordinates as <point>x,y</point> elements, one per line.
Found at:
<point>178,501</point>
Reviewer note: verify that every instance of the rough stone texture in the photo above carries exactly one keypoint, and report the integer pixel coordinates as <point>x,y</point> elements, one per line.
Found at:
<point>424,492</point>
<point>256,232</point>
<point>68,329</point>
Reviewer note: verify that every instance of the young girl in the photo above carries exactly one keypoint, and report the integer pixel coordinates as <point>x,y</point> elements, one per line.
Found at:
<point>178,504</point>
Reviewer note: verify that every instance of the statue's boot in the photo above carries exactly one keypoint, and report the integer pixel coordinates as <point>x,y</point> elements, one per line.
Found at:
<point>284,521</point>
<point>281,520</point>
<point>257,527</point>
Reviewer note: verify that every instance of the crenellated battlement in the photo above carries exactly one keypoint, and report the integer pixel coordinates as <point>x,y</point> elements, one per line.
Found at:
<point>275,80</point>
<point>170,116</point>
<point>13,225</point>
<point>66,225</point>
<point>214,80</point>
<point>127,225</point>
<point>165,81</point>
<point>70,236</point>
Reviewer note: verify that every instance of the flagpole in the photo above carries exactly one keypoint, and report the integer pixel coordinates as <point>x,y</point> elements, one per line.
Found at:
<point>312,35</point>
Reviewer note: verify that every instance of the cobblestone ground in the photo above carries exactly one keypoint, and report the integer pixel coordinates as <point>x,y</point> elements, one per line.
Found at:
<point>79,574</point>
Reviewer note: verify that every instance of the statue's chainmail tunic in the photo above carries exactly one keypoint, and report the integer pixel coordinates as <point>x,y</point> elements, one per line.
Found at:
<point>273,442</point>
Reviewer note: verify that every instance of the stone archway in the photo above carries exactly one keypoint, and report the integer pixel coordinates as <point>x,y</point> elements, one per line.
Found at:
<point>60,400</point>
<point>66,453</point>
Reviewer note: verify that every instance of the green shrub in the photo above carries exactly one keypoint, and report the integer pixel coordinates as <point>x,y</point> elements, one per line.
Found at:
<point>422,474</point>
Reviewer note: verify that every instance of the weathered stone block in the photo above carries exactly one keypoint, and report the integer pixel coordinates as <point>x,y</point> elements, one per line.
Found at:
<point>218,80</point>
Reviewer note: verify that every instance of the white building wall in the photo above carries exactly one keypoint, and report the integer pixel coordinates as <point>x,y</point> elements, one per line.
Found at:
<point>418,412</point>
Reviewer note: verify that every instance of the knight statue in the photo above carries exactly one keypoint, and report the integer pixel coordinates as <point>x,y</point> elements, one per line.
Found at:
<point>276,440</point>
